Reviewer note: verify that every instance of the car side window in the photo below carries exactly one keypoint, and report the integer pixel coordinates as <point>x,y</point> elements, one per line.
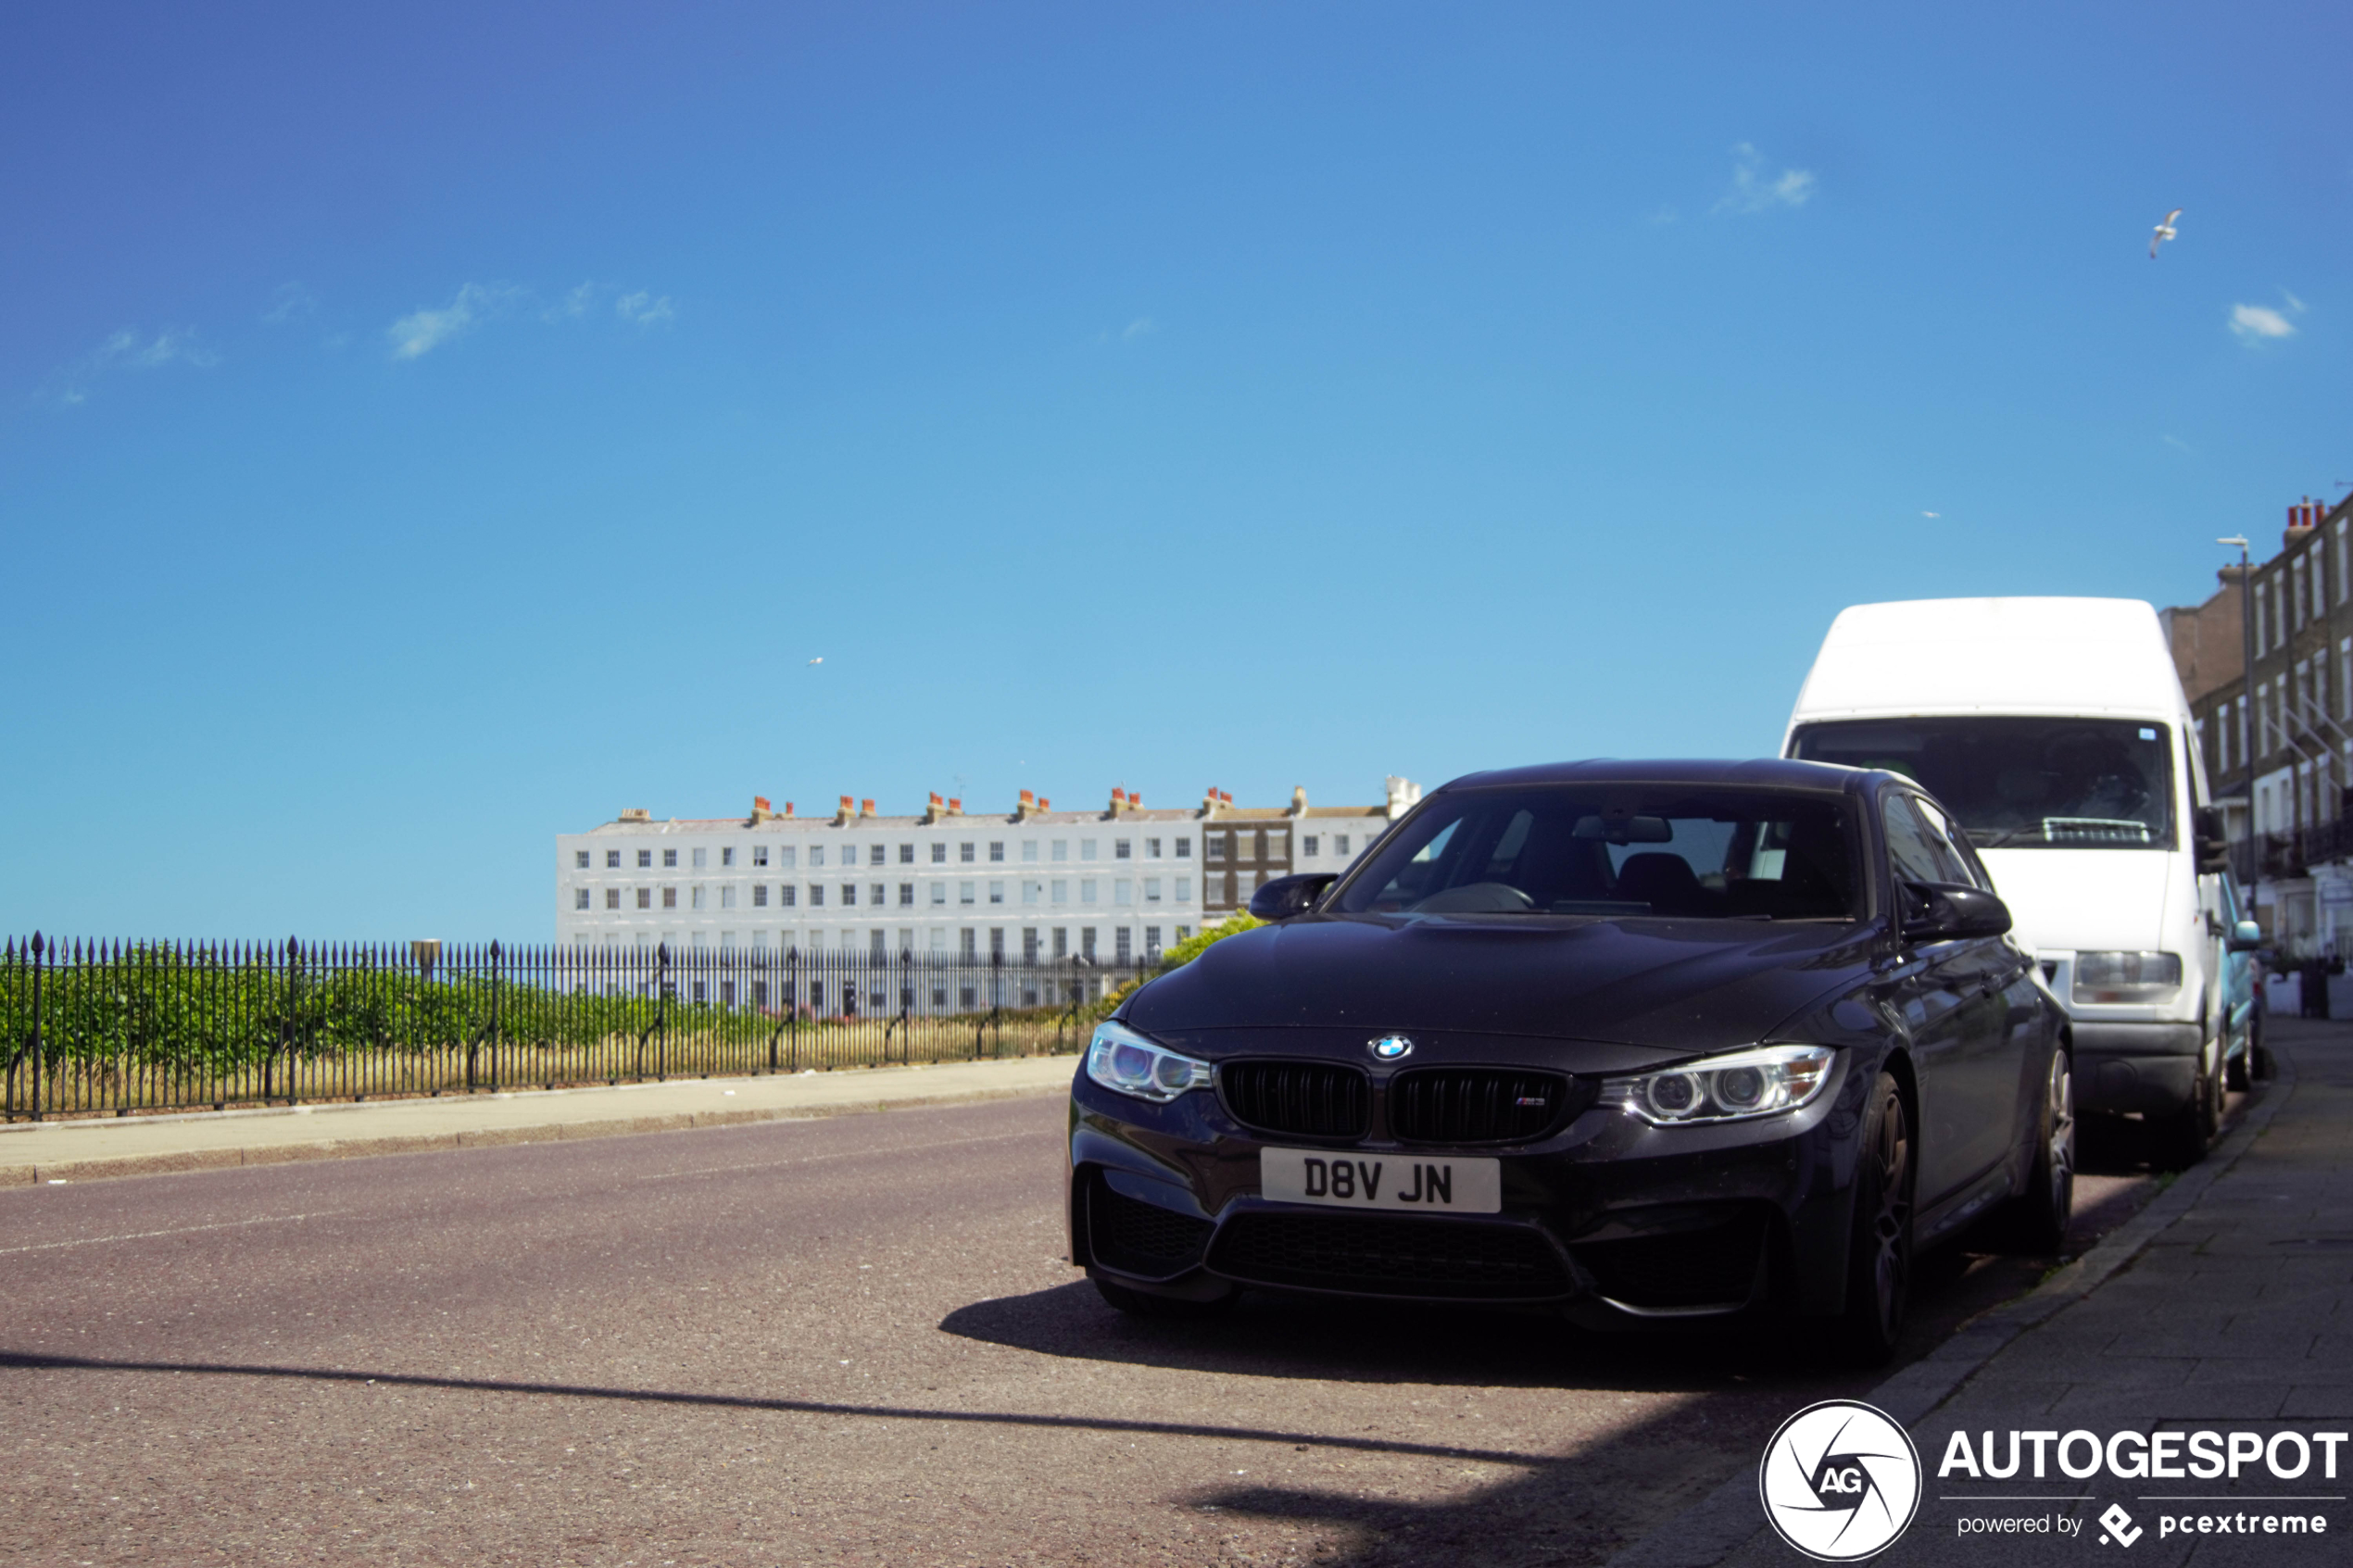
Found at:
<point>1908,848</point>
<point>1960,865</point>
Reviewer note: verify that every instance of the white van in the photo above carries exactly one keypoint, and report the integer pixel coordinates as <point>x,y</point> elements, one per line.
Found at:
<point>2055,731</point>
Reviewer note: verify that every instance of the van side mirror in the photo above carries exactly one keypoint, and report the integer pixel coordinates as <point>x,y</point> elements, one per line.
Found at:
<point>1944,911</point>
<point>2213,847</point>
<point>2246,937</point>
<point>1289,895</point>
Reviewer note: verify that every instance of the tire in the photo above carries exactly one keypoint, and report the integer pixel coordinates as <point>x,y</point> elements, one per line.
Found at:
<point>2240,1074</point>
<point>2259,1055</point>
<point>2036,1220</point>
<point>1879,1260</point>
<point>2180,1139</point>
<point>1144,1304</point>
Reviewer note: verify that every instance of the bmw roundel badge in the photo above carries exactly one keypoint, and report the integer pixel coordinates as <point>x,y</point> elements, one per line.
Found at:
<point>1389,1048</point>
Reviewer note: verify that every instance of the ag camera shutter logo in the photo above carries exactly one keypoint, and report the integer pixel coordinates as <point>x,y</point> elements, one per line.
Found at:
<point>1840,1481</point>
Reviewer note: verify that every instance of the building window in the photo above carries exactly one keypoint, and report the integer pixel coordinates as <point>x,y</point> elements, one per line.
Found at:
<point>967,892</point>
<point>1184,935</point>
<point>964,851</point>
<point>645,898</point>
<point>996,852</point>
<point>816,894</point>
<point>645,859</point>
<point>1086,942</point>
<point>1340,844</point>
<point>906,854</point>
<point>1119,848</point>
<point>1029,850</point>
<point>1152,890</point>
<point>613,897</point>
<point>727,897</point>
<point>1123,951</point>
<point>1151,944</point>
<point>996,892</point>
<point>786,895</point>
<point>1086,849</point>
<point>727,856</point>
<point>939,893</point>
<point>1183,892</point>
<point>1061,850</point>
<point>971,950</point>
<point>1213,847</point>
<point>670,858</point>
<point>1309,846</point>
<point>1029,891</point>
<point>1030,944</point>
<point>669,898</point>
<point>906,894</point>
<point>1062,941</point>
<point>1087,891</point>
<point>878,854</point>
<point>786,856</point>
<point>612,859</point>
<point>580,898</point>
<point>878,948</point>
<point>940,940</point>
<point>849,895</point>
<point>939,854</point>
<point>694,896</point>
<point>759,895</point>
<point>996,943</point>
<point>580,859</point>
<point>816,856</point>
<point>1123,891</point>
<point>1062,893</point>
<point>1184,848</point>
<point>878,894</point>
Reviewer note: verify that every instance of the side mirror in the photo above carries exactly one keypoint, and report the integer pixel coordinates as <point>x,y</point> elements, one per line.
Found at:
<point>2213,848</point>
<point>1944,911</point>
<point>2246,937</point>
<point>1289,895</point>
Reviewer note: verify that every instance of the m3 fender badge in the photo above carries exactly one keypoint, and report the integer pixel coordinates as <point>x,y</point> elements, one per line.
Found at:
<point>1390,1048</point>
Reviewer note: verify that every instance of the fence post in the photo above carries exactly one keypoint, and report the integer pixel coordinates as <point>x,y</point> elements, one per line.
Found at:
<point>39,948</point>
<point>495,957</point>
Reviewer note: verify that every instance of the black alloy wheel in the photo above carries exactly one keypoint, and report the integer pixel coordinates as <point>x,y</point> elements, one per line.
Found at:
<point>1879,1264</point>
<point>1144,1304</point>
<point>2036,1220</point>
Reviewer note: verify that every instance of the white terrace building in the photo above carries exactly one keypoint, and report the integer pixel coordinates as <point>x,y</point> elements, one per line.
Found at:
<point>1035,884</point>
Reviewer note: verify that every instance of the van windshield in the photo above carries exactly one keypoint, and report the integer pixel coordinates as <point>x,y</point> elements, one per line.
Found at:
<point>1615,851</point>
<point>2022,783</point>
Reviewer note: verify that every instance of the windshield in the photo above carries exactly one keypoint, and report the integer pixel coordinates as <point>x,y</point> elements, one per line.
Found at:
<point>1616,850</point>
<point>2054,784</point>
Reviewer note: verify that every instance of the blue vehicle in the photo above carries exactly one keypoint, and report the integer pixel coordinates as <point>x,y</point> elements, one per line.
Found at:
<point>2244,1058</point>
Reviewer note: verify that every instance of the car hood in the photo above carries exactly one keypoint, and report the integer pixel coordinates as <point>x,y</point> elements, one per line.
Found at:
<point>1662,989</point>
<point>2073,901</point>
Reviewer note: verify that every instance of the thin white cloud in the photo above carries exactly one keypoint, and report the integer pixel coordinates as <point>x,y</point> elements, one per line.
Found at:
<point>2179,445</point>
<point>1661,216</point>
<point>2257,323</point>
<point>421,332</point>
<point>293,303</point>
<point>1138,327</point>
<point>644,308</point>
<point>571,306</point>
<point>131,350</point>
<point>1753,190</point>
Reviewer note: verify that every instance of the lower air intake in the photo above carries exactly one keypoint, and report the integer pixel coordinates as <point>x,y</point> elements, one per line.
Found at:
<point>1714,1267</point>
<point>1141,1239</point>
<point>1459,1260</point>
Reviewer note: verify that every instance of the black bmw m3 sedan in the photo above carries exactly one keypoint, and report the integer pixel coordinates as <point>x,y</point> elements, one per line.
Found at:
<point>1647,1042</point>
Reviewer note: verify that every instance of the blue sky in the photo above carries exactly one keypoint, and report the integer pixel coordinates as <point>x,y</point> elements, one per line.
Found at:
<point>426,430</point>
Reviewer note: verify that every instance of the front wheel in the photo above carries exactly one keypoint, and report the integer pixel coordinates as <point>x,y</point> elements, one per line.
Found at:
<point>1879,1262</point>
<point>2037,1218</point>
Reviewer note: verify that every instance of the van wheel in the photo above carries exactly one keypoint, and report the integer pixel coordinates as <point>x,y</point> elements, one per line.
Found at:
<point>2181,1138</point>
<point>2259,1055</point>
<point>2240,1074</point>
<point>1879,1259</point>
<point>2036,1220</point>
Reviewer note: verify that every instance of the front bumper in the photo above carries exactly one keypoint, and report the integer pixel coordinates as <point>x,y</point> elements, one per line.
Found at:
<point>2150,1068</point>
<point>1611,1221</point>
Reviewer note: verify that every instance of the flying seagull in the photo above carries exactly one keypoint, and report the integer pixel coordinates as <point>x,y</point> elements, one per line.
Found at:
<point>819,659</point>
<point>2163,232</point>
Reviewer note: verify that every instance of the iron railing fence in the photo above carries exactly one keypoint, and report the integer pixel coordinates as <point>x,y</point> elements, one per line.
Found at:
<point>96,1028</point>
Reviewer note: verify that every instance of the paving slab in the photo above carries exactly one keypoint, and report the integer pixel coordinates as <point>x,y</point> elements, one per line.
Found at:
<point>96,1149</point>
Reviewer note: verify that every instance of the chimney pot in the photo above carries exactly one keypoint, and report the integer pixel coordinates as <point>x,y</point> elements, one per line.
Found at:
<point>1044,804</point>
<point>866,807</point>
<point>955,806</point>
<point>788,807</point>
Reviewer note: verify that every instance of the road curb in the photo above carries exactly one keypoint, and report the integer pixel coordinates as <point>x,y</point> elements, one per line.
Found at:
<point>179,1161</point>
<point>1712,1530</point>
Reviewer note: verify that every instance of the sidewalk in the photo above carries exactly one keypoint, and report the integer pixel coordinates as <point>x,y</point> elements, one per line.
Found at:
<point>2225,1305</point>
<point>86,1150</point>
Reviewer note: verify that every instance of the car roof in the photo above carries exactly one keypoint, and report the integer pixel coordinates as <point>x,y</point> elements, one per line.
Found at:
<point>1765,772</point>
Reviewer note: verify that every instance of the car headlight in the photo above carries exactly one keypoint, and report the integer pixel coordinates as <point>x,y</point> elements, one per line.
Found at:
<point>1763,1082</point>
<point>2127,977</point>
<point>1120,1059</point>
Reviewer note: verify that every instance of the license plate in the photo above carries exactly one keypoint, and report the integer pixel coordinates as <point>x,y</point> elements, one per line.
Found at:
<point>1348,1181</point>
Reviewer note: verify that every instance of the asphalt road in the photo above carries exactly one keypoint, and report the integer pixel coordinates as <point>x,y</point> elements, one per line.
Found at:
<point>851,1340</point>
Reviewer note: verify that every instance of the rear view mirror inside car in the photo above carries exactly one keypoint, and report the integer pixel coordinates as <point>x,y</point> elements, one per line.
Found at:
<point>1615,827</point>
